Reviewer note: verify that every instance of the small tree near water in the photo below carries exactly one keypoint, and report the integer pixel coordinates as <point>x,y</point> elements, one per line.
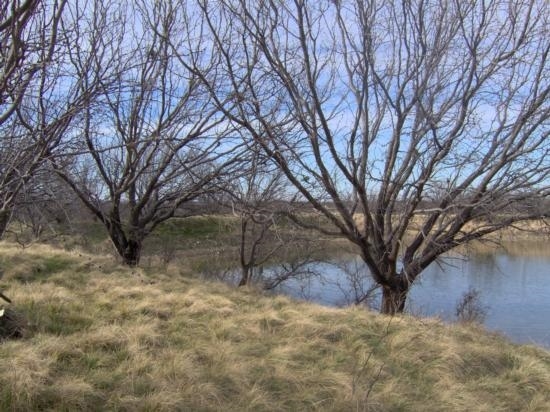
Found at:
<point>470,308</point>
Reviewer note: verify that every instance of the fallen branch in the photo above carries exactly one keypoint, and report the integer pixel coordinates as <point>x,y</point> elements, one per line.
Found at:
<point>5,297</point>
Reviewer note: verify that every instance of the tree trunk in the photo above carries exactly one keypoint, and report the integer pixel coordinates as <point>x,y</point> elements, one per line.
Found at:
<point>132,253</point>
<point>4,221</point>
<point>393,300</point>
<point>245,276</point>
<point>128,249</point>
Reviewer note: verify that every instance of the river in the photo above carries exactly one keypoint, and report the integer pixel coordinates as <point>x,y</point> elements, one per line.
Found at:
<point>513,284</point>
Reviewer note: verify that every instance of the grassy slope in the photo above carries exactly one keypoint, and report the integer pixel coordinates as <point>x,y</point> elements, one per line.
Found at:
<point>104,337</point>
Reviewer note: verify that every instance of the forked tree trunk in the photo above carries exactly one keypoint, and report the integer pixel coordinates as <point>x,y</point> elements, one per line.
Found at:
<point>393,300</point>
<point>128,249</point>
<point>245,276</point>
<point>132,253</point>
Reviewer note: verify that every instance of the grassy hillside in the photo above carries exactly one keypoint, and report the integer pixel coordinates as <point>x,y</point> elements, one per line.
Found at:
<point>106,337</point>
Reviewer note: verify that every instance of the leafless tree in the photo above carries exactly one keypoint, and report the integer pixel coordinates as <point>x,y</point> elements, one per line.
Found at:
<point>373,109</point>
<point>44,209</point>
<point>256,199</point>
<point>154,141</point>
<point>28,33</point>
<point>29,45</point>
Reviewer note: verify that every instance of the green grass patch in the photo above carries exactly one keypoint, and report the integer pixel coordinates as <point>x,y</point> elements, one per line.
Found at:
<point>35,267</point>
<point>56,318</point>
<point>195,227</point>
<point>93,231</point>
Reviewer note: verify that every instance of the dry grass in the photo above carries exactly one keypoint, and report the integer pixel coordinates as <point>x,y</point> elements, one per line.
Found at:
<point>105,337</point>
<point>526,230</point>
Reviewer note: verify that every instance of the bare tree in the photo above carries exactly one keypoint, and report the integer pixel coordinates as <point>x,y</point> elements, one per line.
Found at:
<point>256,199</point>
<point>44,209</point>
<point>267,237</point>
<point>29,44</point>
<point>28,32</point>
<point>154,141</point>
<point>373,109</point>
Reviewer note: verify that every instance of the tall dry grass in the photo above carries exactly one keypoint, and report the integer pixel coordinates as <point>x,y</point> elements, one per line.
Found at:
<point>106,337</point>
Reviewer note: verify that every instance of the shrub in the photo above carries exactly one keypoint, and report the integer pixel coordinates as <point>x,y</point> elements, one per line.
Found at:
<point>469,308</point>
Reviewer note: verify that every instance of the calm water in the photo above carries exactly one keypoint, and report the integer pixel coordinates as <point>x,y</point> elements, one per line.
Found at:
<point>514,286</point>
